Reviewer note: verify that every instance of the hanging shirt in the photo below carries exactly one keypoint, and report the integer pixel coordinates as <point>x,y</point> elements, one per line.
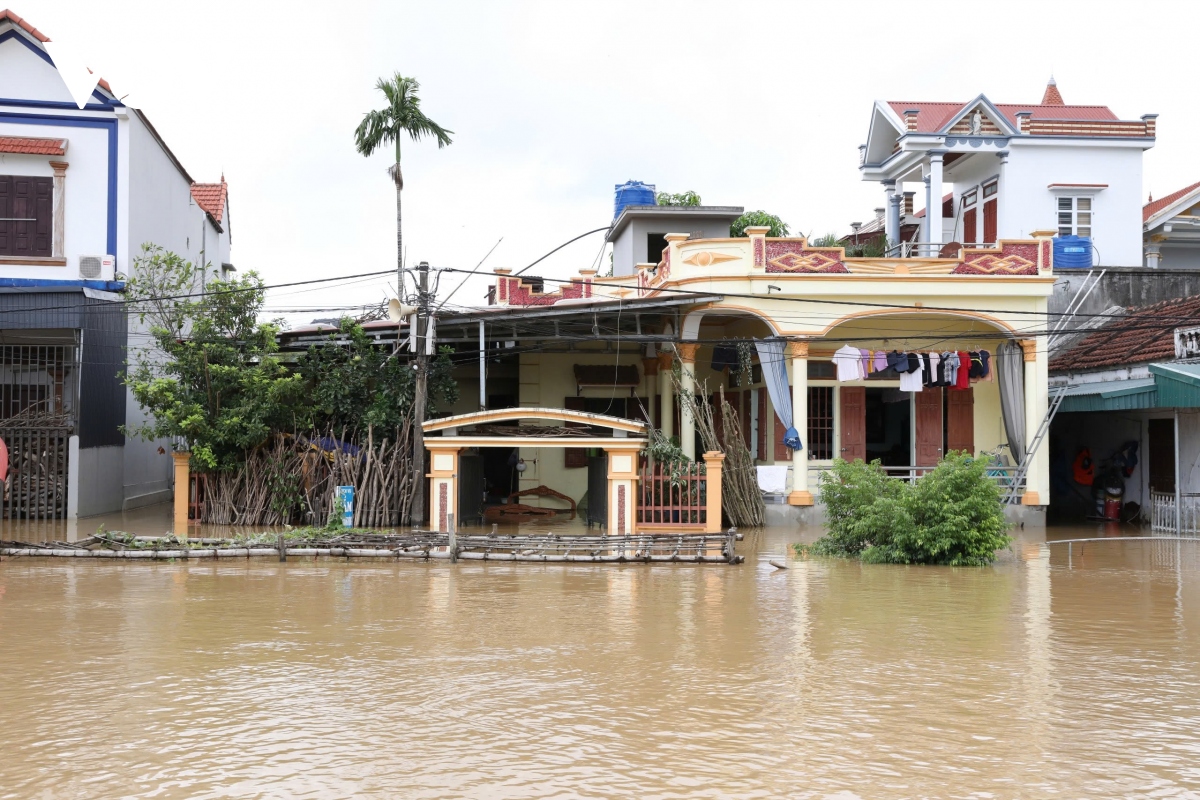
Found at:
<point>976,361</point>
<point>898,361</point>
<point>964,377</point>
<point>881,361</point>
<point>849,363</point>
<point>914,362</point>
<point>935,361</point>
<point>949,368</point>
<point>866,361</point>
<point>910,381</point>
<point>984,359</point>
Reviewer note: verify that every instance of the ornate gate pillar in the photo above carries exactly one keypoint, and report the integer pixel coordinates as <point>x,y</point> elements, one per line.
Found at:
<point>443,484</point>
<point>622,491</point>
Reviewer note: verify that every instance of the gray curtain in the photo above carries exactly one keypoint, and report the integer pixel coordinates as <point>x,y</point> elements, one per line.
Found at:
<point>1010,372</point>
<point>774,370</point>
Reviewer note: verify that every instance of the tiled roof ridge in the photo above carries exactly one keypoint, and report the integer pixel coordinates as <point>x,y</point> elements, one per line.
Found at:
<point>11,16</point>
<point>1154,206</point>
<point>211,197</point>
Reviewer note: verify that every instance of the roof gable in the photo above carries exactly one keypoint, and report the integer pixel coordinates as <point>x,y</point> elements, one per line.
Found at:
<point>1169,206</point>
<point>20,35</point>
<point>211,198</point>
<point>991,121</point>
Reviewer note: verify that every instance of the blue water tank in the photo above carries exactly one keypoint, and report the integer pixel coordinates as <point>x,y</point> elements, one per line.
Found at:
<point>1072,252</point>
<point>632,193</point>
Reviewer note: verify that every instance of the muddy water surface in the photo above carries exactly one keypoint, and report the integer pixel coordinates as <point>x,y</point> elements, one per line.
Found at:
<point>331,679</point>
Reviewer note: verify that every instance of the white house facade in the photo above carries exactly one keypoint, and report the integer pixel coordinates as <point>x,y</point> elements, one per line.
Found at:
<point>81,190</point>
<point>1004,171</point>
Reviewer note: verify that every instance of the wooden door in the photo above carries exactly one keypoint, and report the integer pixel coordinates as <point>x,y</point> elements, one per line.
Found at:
<point>989,222</point>
<point>960,420</point>
<point>853,403</point>
<point>927,408</point>
<point>969,232</point>
<point>1161,458</point>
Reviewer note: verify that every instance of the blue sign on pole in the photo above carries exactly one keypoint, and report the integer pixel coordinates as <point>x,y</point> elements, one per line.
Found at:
<point>346,495</point>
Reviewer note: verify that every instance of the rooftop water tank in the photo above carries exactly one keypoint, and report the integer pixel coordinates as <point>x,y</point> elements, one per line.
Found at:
<point>632,193</point>
<point>1072,252</point>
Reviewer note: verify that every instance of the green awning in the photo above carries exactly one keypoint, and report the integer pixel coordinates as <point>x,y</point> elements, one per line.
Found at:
<point>1178,385</point>
<point>1111,396</point>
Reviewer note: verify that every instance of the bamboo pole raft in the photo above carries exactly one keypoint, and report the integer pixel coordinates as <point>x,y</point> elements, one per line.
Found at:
<point>697,548</point>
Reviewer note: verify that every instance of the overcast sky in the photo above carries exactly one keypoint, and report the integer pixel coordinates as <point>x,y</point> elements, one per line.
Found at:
<point>755,104</point>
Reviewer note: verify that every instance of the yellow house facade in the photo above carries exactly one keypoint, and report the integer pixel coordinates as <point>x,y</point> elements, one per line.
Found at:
<point>609,345</point>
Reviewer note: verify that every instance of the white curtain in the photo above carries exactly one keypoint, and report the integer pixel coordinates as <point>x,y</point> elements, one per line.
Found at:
<point>774,370</point>
<point>1009,364</point>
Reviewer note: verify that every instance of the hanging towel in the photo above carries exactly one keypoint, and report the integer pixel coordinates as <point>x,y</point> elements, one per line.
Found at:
<point>849,364</point>
<point>773,479</point>
<point>910,382</point>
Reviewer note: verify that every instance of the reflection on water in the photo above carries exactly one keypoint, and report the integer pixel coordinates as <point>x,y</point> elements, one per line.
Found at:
<point>333,679</point>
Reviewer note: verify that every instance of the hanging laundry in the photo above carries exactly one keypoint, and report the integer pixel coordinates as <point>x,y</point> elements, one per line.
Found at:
<point>881,360</point>
<point>898,361</point>
<point>849,363</point>
<point>914,362</point>
<point>964,373</point>
<point>866,361</point>
<point>976,361</point>
<point>724,356</point>
<point>911,381</point>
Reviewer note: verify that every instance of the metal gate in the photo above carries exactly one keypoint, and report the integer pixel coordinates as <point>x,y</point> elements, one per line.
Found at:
<point>36,484</point>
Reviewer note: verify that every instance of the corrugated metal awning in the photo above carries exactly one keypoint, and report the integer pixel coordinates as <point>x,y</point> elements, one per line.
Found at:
<point>1178,385</point>
<point>1111,396</point>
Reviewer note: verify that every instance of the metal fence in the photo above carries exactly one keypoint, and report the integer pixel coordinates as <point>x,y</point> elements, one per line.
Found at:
<point>37,418</point>
<point>672,501</point>
<point>1163,516</point>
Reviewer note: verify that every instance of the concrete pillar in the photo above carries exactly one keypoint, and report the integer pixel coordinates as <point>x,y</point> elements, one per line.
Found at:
<point>798,352</point>
<point>182,493</point>
<point>894,219</point>
<point>1037,478</point>
<point>933,211</point>
<point>687,388</point>
<point>1153,255</point>
<point>622,487</point>
<point>1003,231</point>
<point>713,468</point>
<point>59,207</point>
<point>666,395</point>
<point>443,484</point>
<point>891,224</point>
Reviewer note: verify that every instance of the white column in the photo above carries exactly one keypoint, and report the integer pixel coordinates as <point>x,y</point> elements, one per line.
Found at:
<point>666,395</point>
<point>933,211</point>
<point>59,207</point>
<point>891,222</point>
<point>1153,255</point>
<point>687,388</point>
<point>1002,216</point>
<point>1037,478</point>
<point>894,218</point>
<point>927,227</point>
<point>800,496</point>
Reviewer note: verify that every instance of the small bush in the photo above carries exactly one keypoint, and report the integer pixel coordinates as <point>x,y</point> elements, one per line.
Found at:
<point>950,516</point>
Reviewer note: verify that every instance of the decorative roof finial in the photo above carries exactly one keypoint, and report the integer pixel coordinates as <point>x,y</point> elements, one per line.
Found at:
<point>1052,97</point>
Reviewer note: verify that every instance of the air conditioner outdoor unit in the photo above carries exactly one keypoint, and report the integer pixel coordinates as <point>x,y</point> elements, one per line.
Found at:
<point>95,266</point>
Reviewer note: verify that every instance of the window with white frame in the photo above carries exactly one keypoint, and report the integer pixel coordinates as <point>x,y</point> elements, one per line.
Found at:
<point>1074,216</point>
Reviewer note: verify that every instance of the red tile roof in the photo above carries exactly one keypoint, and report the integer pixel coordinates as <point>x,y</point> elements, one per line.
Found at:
<point>931,117</point>
<point>921,213</point>
<point>1145,334</point>
<point>1052,97</point>
<point>211,197</point>
<point>5,14</point>
<point>28,145</point>
<point>1155,206</point>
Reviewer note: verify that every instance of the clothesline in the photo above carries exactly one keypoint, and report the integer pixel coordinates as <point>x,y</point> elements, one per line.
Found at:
<point>917,370</point>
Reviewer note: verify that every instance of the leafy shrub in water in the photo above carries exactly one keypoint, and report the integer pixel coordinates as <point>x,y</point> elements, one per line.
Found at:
<point>950,516</point>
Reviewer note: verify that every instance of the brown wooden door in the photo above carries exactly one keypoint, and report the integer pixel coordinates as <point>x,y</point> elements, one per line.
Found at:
<point>968,236</point>
<point>927,408</point>
<point>1161,458</point>
<point>960,420</point>
<point>989,222</point>
<point>854,422</point>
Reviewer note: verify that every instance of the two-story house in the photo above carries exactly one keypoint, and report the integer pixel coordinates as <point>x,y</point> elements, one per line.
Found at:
<point>81,190</point>
<point>992,171</point>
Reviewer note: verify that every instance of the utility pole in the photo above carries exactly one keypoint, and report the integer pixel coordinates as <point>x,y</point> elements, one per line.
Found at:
<point>422,390</point>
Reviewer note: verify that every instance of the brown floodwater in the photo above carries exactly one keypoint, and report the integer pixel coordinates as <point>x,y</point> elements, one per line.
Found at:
<point>1050,674</point>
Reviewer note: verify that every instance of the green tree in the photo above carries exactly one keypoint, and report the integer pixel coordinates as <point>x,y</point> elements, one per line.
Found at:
<point>688,198</point>
<point>212,376</point>
<point>750,218</point>
<point>388,125</point>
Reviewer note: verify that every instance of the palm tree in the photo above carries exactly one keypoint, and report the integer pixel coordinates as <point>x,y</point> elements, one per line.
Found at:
<point>387,126</point>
